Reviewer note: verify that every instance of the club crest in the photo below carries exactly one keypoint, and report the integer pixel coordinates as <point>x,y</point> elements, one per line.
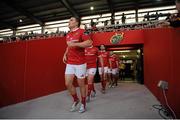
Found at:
<point>117,38</point>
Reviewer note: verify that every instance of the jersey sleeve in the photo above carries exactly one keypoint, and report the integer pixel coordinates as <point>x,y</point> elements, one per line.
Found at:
<point>97,51</point>
<point>99,54</point>
<point>108,54</point>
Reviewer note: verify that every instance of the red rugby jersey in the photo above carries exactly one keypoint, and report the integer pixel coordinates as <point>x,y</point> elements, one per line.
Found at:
<point>76,55</point>
<point>91,54</point>
<point>105,56</point>
<point>113,59</point>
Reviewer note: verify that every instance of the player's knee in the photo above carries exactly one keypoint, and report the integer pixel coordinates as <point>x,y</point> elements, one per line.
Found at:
<point>68,84</point>
<point>81,84</point>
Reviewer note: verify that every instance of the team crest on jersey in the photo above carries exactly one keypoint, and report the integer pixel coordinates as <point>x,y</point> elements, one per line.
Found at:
<point>117,38</point>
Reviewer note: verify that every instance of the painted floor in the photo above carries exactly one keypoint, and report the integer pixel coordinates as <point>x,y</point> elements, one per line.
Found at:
<point>126,101</point>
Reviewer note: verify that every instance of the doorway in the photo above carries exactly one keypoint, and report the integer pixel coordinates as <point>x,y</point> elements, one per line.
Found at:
<point>130,63</point>
<point>131,58</point>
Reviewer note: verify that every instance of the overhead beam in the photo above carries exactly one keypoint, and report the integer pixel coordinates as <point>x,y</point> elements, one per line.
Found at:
<point>69,7</point>
<point>110,7</point>
<point>7,25</point>
<point>23,12</point>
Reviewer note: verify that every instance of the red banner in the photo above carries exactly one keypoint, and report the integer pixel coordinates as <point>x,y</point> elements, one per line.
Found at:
<point>125,38</point>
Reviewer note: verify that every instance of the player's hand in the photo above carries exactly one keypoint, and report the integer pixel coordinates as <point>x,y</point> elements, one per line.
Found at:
<point>64,59</point>
<point>71,44</point>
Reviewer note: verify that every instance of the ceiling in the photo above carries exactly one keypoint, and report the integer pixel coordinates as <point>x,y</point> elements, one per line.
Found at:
<point>41,11</point>
<point>127,54</point>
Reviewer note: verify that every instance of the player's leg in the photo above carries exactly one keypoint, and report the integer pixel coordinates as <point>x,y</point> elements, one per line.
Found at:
<point>114,77</point>
<point>109,77</point>
<point>69,77</point>
<point>117,77</point>
<point>105,76</point>
<point>80,73</point>
<point>100,74</point>
<point>91,73</point>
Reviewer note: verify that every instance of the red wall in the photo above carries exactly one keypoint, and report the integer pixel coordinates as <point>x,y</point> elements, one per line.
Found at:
<point>12,61</point>
<point>157,57</point>
<point>175,94</point>
<point>31,69</point>
<point>161,62</point>
<point>44,67</point>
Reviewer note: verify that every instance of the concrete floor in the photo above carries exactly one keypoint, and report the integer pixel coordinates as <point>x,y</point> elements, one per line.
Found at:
<point>128,100</point>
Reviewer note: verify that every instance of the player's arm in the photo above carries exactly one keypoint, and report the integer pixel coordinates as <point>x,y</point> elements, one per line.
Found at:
<point>117,63</point>
<point>65,55</point>
<point>83,44</point>
<point>86,41</point>
<point>110,64</point>
<point>101,63</point>
<point>97,56</point>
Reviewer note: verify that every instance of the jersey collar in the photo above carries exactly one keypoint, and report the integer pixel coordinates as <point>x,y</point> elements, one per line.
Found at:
<point>103,50</point>
<point>75,30</point>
